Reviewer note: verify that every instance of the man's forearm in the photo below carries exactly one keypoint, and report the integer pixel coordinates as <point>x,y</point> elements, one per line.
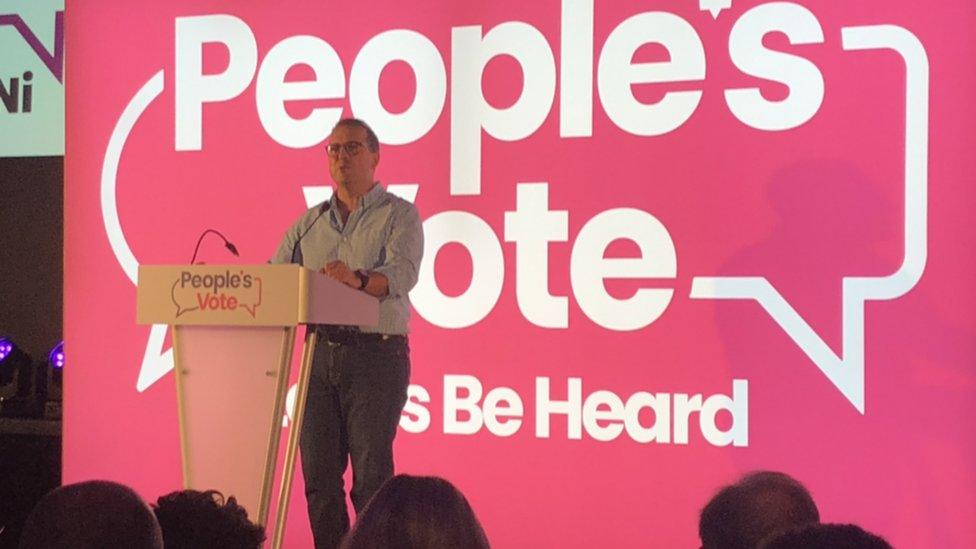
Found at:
<point>378,285</point>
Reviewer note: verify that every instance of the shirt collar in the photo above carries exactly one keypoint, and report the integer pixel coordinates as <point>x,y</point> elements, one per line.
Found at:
<point>374,195</point>
<point>371,197</point>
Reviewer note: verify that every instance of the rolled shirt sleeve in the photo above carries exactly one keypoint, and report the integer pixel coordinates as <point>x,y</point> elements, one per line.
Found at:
<point>403,250</point>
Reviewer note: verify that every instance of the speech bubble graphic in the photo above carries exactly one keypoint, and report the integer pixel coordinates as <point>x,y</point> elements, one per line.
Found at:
<point>177,296</point>
<point>714,7</point>
<point>217,292</point>
<point>846,372</point>
<point>155,362</point>
<point>251,299</point>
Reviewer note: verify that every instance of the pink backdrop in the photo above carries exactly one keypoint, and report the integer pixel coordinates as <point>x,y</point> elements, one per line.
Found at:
<point>800,186</point>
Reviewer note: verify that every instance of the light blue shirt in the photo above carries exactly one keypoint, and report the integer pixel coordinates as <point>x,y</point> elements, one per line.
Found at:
<point>383,235</point>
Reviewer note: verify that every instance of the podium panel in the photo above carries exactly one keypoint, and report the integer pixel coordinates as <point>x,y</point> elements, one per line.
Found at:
<point>231,383</point>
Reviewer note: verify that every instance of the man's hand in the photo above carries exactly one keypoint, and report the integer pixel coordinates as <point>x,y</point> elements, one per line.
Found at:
<point>341,272</point>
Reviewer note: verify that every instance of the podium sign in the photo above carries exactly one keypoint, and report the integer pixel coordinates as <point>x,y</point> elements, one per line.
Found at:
<point>248,295</point>
<point>233,334</point>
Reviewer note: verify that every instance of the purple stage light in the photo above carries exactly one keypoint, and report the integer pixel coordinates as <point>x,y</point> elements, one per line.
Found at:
<point>12,361</point>
<point>56,356</point>
<point>6,347</point>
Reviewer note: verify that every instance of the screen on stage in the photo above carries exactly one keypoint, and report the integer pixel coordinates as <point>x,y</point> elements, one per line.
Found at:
<point>32,78</point>
<point>665,243</point>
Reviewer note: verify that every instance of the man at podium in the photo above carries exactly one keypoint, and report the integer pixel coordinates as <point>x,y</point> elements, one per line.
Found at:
<point>370,240</point>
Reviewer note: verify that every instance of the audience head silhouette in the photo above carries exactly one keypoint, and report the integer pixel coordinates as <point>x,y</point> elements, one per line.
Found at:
<point>193,519</point>
<point>91,515</point>
<point>417,513</point>
<point>740,516</point>
<point>826,536</point>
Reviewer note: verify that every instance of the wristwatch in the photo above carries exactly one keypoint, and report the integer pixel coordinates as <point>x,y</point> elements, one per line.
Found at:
<point>363,277</point>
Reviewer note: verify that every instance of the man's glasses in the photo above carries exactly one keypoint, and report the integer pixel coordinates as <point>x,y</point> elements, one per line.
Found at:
<point>352,148</point>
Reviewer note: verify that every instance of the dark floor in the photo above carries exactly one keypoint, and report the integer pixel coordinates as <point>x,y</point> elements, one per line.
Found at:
<point>30,466</point>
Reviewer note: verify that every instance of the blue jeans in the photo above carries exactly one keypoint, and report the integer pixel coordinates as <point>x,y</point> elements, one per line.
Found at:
<point>357,389</point>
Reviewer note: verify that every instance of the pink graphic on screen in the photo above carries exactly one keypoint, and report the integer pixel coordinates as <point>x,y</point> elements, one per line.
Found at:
<point>664,245</point>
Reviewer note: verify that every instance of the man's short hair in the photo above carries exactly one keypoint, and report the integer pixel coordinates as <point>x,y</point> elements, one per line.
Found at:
<point>826,536</point>
<point>762,503</point>
<point>90,515</point>
<point>190,519</point>
<point>372,142</point>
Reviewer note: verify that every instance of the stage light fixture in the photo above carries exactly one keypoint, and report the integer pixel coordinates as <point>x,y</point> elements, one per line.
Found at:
<point>56,356</point>
<point>5,347</point>
<point>13,361</point>
<point>23,400</point>
<point>55,390</point>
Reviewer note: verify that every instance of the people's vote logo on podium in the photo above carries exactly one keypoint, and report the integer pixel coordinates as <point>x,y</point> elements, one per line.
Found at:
<point>216,293</point>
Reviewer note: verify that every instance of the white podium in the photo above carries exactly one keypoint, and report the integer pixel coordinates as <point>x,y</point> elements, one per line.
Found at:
<point>233,334</point>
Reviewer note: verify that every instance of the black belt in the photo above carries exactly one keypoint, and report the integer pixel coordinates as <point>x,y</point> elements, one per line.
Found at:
<point>351,336</point>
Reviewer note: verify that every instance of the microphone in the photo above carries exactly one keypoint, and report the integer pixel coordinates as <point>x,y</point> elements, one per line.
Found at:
<point>227,244</point>
<point>296,251</point>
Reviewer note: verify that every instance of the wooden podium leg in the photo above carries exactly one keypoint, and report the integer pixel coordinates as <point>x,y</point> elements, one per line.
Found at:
<point>181,406</point>
<point>271,461</point>
<point>295,433</point>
